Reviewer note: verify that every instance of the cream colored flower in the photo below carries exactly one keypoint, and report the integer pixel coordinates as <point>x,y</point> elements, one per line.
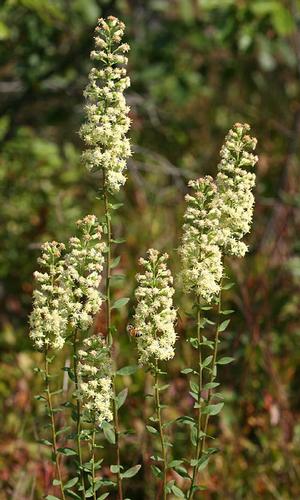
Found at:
<point>155,315</point>
<point>95,385</point>
<point>200,253</point>
<point>107,121</point>
<point>235,185</point>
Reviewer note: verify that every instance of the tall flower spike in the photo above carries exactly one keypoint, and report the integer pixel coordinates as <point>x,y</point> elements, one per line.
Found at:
<point>95,386</point>
<point>235,184</point>
<point>155,315</point>
<point>83,268</point>
<point>107,121</point>
<point>200,254</point>
<point>49,318</point>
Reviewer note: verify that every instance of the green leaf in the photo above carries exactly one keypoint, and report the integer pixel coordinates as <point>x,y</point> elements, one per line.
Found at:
<point>207,361</point>
<point>151,429</point>
<point>194,386</point>
<point>227,312</point>
<point>157,458</point>
<point>225,360</point>
<point>120,303</point>
<point>56,482</point>
<point>131,472</point>
<point>174,463</point>
<point>103,496</point>
<point>74,495</point>
<point>186,420</point>
<point>115,469</point>
<point>211,385</point>
<point>127,370</point>
<point>51,497</point>
<point>45,442</point>
<point>118,240</point>
<point>89,493</point>
<point>121,398</point>
<point>228,285</point>
<point>115,262</point>
<point>182,471</point>
<point>109,432</point>
<point>187,370</point>
<point>156,471</point>
<point>177,491</point>
<point>223,325</point>
<point>115,206</point>
<point>71,483</point>
<point>213,409</point>
<point>39,397</point>
<point>67,451</point>
<point>163,387</point>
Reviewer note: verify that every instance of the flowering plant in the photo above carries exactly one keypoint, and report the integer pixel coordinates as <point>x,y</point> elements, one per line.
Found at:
<point>75,284</point>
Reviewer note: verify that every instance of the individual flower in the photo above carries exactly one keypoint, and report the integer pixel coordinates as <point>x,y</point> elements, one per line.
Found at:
<point>235,184</point>
<point>83,273</point>
<point>200,253</point>
<point>107,121</point>
<point>49,318</point>
<point>95,381</point>
<point>155,315</point>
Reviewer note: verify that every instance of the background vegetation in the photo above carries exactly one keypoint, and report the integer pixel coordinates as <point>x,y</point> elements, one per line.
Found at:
<point>196,68</point>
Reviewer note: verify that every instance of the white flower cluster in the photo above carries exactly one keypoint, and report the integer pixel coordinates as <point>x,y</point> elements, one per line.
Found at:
<point>200,253</point>
<point>155,315</point>
<point>107,123</point>
<point>49,318</point>
<point>83,273</point>
<point>218,215</point>
<point>68,294</point>
<point>235,184</point>
<point>95,382</point>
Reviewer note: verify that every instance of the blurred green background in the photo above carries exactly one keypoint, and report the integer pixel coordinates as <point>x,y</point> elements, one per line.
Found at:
<point>196,66</point>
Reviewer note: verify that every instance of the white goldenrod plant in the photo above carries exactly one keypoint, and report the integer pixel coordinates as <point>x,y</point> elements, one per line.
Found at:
<point>74,283</point>
<point>218,215</point>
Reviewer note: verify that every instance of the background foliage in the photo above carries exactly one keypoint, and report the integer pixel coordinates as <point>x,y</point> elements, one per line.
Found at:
<point>197,66</point>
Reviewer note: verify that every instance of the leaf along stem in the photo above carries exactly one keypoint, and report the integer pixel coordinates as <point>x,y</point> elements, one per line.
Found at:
<point>78,413</point>
<point>54,442</point>
<point>160,426</point>
<point>109,332</point>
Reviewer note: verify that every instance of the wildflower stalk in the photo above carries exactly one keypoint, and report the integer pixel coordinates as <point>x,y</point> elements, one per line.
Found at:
<point>200,386</point>
<point>53,429</point>
<point>160,427</point>
<point>78,412</point>
<point>109,333</point>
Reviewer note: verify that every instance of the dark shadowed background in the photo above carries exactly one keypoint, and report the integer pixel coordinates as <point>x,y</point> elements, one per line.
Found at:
<point>197,66</point>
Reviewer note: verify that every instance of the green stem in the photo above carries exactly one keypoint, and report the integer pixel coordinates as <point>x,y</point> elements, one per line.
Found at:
<point>54,442</point>
<point>213,374</point>
<point>109,334</point>
<point>93,460</point>
<point>117,443</point>
<point>78,413</point>
<point>108,269</point>
<point>161,432</point>
<point>200,385</point>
